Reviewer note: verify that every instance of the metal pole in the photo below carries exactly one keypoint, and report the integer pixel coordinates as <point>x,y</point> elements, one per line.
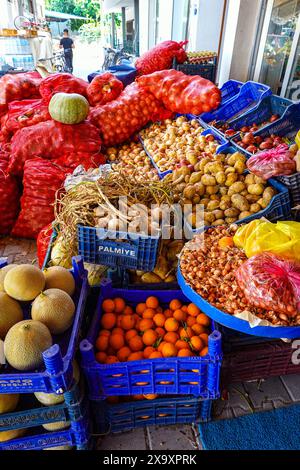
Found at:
<point>137,26</point>
<point>124,25</point>
<point>113,29</point>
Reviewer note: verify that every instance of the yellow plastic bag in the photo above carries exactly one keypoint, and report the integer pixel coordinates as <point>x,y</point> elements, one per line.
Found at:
<point>297,140</point>
<point>282,239</point>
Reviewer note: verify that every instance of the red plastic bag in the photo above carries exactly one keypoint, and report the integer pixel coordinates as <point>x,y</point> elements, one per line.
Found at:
<point>275,162</point>
<point>42,179</point>
<point>9,197</point>
<point>125,116</point>
<point>103,89</point>
<point>271,283</point>
<point>23,114</point>
<point>66,145</point>
<point>18,87</point>
<point>42,243</point>
<point>62,82</point>
<point>161,57</point>
<point>182,93</point>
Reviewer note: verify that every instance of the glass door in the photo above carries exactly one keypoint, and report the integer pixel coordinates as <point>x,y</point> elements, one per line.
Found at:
<point>279,37</point>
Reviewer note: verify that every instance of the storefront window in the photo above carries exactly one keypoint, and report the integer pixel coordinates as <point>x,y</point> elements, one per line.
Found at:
<point>278,46</point>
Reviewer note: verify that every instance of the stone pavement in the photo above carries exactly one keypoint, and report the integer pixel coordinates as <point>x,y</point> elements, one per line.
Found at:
<point>244,398</point>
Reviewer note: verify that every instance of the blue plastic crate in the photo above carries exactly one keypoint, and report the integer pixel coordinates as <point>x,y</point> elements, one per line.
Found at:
<point>251,93</point>
<point>137,252</point>
<point>56,375</point>
<point>167,411</point>
<point>287,126</point>
<point>162,376</point>
<point>229,90</point>
<point>205,70</point>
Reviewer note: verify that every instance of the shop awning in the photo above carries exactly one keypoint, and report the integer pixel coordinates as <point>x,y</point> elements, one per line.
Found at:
<point>63,16</point>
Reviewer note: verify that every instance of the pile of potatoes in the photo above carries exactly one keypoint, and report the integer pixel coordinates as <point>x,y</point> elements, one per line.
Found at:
<point>223,188</point>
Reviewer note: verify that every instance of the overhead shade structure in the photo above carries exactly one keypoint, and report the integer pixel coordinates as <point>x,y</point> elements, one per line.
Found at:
<point>57,15</point>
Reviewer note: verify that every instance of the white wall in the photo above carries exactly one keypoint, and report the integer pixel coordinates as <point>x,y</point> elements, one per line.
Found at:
<point>205,25</point>
<point>144,25</point>
<point>165,20</point>
<point>9,10</point>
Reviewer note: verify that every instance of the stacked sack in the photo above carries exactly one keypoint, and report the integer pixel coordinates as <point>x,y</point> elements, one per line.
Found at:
<point>9,197</point>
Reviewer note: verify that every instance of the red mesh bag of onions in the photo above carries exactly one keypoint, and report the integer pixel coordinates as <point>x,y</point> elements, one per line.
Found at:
<point>103,89</point>
<point>62,82</point>
<point>161,57</point>
<point>42,179</point>
<point>9,197</point>
<point>42,243</point>
<point>66,145</point>
<point>275,162</point>
<point>271,283</point>
<point>18,87</point>
<point>182,93</point>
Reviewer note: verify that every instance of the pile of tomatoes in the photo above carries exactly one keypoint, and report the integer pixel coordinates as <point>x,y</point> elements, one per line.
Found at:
<point>254,144</point>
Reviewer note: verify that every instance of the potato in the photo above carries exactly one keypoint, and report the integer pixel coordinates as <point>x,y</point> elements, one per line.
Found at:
<point>254,208</point>
<point>231,179</point>
<point>252,198</point>
<point>215,197</point>
<point>187,179</point>
<point>212,205</point>
<point>236,188</point>
<point>189,192</point>
<point>250,179</point>
<point>208,180</point>
<point>219,222</point>
<point>204,202</point>
<point>196,199</point>
<point>195,177</point>
<point>221,177</point>
<point>229,170</point>
<point>200,189</point>
<point>256,189</point>
<point>150,278</point>
<point>268,194</point>
<point>180,187</point>
<point>240,202</point>
<point>244,214</point>
<point>259,180</point>
<point>240,167</point>
<point>244,193</point>
<point>203,162</point>
<point>263,203</point>
<point>170,278</point>
<point>230,220</point>
<point>209,218</point>
<point>218,214</point>
<point>213,167</point>
<point>236,157</point>
<point>232,212</point>
<point>223,190</point>
<point>212,190</point>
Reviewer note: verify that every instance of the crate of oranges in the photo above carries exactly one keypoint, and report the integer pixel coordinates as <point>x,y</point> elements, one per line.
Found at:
<point>150,342</point>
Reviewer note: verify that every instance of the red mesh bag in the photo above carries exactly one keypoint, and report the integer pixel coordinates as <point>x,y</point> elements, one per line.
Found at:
<point>271,283</point>
<point>41,180</point>
<point>42,243</point>
<point>23,114</point>
<point>18,87</point>
<point>62,83</point>
<point>161,57</point>
<point>103,89</point>
<point>182,93</point>
<point>67,145</point>
<point>9,197</point>
<point>125,116</point>
<point>274,162</point>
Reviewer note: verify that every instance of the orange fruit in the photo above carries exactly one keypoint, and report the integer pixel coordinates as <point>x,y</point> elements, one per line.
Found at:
<point>117,331</point>
<point>156,355</point>
<point>136,344</point>
<point>171,324</point>
<point>159,310</point>
<point>110,351</point>
<point>204,352</point>
<point>102,343</point>
<point>148,351</point>
<point>204,337</point>
<point>179,315</point>
<point>193,310</point>
<point>185,353</point>
<point>186,333</point>
<point>152,302</point>
<point>149,337</point>
<point>190,321</point>
<point>108,321</point>
<point>105,333</point>
<point>198,329</point>
<point>202,319</point>
<point>101,357</point>
<point>128,310</point>
<point>140,308</point>
<point>171,337</point>
<point>175,304</point>
<point>160,331</point>
<point>123,354</point>
<point>184,308</point>
<point>159,319</point>
<point>135,356</point>
<point>151,397</point>
<point>111,360</point>
<point>161,345</point>
<point>180,344</point>
<point>119,305</point>
<point>149,313</point>
<point>169,350</point>
<point>130,334</point>
<point>117,341</point>
<point>108,306</point>
<point>168,313</point>
<point>119,320</point>
<point>196,343</point>
<point>127,322</point>
<point>146,324</point>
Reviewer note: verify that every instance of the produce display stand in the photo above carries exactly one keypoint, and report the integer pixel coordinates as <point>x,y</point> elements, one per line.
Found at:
<point>56,376</point>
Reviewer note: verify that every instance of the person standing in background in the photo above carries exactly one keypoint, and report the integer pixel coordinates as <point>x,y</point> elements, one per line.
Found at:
<point>67,44</point>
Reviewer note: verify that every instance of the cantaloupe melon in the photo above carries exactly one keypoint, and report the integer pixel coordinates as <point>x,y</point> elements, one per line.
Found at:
<point>8,402</point>
<point>24,282</point>
<point>9,435</point>
<point>59,448</point>
<point>58,277</point>
<point>56,426</point>
<point>3,273</point>
<point>24,344</point>
<point>49,399</point>
<point>10,313</point>
<point>55,309</point>
<point>60,255</point>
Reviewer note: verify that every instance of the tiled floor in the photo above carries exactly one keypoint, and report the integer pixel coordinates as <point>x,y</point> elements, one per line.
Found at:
<point>244,398</point>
